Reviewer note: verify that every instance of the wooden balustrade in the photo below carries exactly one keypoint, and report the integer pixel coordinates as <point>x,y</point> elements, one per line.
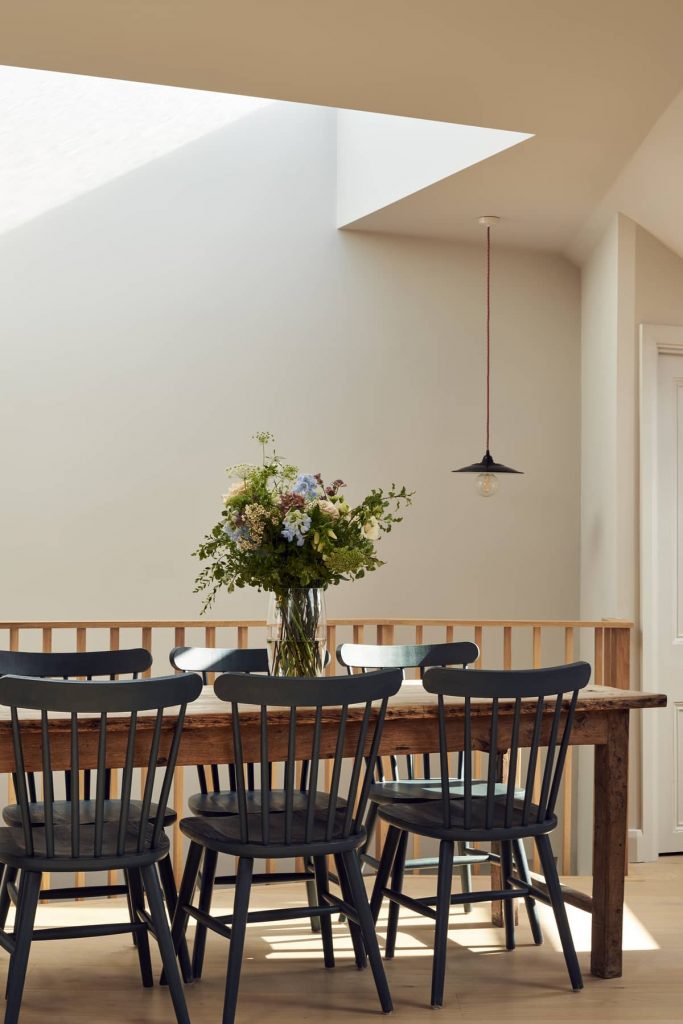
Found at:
<point>503,644</point>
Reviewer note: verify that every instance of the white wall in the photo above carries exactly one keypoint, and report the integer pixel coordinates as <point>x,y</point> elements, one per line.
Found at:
<point>150,327</point>
<point>599,301</point>
<point>608,447</point>
<point>382,159</point>
<point>630,278</point>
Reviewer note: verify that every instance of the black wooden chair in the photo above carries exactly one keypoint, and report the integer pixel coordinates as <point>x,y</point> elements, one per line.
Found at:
<point>492,812</point>
<point>408,787</point>
<point>311,824</point>
<point>89,665</point>
<point>216,799</point>
<point>95,835</point>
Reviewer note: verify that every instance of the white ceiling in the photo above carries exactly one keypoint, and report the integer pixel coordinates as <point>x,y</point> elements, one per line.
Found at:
<point>588,79</point>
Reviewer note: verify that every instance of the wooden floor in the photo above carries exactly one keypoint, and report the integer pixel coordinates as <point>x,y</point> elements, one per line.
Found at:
<point>284,981</point>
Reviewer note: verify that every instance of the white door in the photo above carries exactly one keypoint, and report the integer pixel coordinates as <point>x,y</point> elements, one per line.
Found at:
<point>670,600</point>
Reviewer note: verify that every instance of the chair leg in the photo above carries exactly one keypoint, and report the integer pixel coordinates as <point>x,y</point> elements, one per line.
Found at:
<point>508,905</point>
<point>312,897</point>
<point>131,911</point>
<point>465,877</point>
<point>187,887</point>
<point>205,894</point>
<point>362,907</point>
<point>167,879</point>
<point>354,929</point>
<point>137,902</point>
<point>369,824</point>
<point>163,937</point>
<point>443,907</point>
<point>555,893</point>
<point>322,888</point>
<point>529,902</point>
<point>23,933</point>
<point>245,868</point>
<point>382,877</point>
<point>397,884</point>
<point>9,876</point>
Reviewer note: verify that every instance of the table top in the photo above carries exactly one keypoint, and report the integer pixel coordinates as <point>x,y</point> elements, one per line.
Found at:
<point>411,702</point>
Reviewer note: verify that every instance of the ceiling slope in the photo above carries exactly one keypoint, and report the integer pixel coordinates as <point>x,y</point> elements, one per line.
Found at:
<point>649,189</point>
<point>587,79</point>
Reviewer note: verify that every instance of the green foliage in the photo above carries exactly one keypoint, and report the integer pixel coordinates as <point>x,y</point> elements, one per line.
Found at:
<point>280,529</point>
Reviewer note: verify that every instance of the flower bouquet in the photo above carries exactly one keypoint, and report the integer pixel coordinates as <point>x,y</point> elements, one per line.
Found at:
<point>290,534</point>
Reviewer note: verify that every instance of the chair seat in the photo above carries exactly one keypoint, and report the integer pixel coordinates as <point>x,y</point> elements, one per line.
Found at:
<point>223,835</point>
<point>419,790</point>
<point>13,849</point>
<point>427,819</point>
<point>61,812</point>
<point>225,802</point>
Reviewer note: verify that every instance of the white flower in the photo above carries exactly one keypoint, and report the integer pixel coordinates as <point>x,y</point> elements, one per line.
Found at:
<point>328,508</point>
<point>234,489</point>
<point>241,470</point>
<point>371,529</point>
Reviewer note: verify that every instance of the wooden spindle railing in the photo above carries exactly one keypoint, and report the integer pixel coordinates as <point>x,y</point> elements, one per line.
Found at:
<point>503,644</point>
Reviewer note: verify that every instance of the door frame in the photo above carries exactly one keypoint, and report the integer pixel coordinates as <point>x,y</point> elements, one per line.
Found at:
<point>655,340</point>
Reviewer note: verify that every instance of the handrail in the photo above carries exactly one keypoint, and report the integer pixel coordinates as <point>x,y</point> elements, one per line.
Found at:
<point>374,621</point>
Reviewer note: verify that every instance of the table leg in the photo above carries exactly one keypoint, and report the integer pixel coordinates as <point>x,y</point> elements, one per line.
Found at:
<point>609,847</point>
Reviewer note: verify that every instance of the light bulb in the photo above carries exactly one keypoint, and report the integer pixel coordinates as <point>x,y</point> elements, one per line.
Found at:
<point>487,484</point>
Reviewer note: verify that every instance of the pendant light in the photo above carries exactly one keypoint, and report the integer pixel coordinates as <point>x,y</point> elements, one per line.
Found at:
<point>488,468</point>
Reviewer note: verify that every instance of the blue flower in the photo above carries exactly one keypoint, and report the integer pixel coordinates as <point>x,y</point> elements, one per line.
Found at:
<point>307,486</point>
<point>295,525</point>
<point>236,533</point>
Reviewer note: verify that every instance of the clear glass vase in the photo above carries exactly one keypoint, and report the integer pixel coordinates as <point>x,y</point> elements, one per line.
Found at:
<point>296,632</point>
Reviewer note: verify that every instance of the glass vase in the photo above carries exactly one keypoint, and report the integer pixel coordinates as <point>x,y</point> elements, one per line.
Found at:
<point>296,632</point>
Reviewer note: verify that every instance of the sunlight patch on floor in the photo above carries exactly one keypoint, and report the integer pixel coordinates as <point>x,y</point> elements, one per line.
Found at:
<point>295,940</point>
<point>636,935</point>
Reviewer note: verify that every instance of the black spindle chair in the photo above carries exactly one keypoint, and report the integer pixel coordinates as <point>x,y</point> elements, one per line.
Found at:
<point>310,824</point>
<point>411,789</point>
<point>88,665</point>
<point>408,786</point>
<point>216,799</point>
<point>96,835</point>
<point>533,708</point>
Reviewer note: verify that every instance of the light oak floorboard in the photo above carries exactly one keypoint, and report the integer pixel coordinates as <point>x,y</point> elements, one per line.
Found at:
<point>284,981</point>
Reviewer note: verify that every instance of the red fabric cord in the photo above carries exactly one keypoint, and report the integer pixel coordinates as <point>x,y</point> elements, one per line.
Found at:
<point>488,334</point>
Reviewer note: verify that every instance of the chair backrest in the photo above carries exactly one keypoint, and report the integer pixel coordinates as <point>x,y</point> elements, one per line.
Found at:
<point>207,660</point>
<point>358,731</point>
<point>76,664</point>
<point>532,708</point>
<point>405,656</point>
<point>97,700</point>
<point>219,659</point>
<point>369,656</point>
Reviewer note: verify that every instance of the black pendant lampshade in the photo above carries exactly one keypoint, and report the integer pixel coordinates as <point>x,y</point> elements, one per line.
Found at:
<point>488,468</point>
<point>487,465</point>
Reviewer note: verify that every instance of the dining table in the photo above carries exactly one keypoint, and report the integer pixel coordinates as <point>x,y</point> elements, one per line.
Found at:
<point>601,721</point>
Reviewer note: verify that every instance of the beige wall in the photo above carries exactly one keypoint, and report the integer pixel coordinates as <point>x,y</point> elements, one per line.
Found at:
<point>151,326</point>
<point>629,279</point>
<point>599,301</point>
<point>659,281</point>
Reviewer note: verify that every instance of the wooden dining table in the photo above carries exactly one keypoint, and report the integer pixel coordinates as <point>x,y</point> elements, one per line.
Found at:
<point>411,727</point>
